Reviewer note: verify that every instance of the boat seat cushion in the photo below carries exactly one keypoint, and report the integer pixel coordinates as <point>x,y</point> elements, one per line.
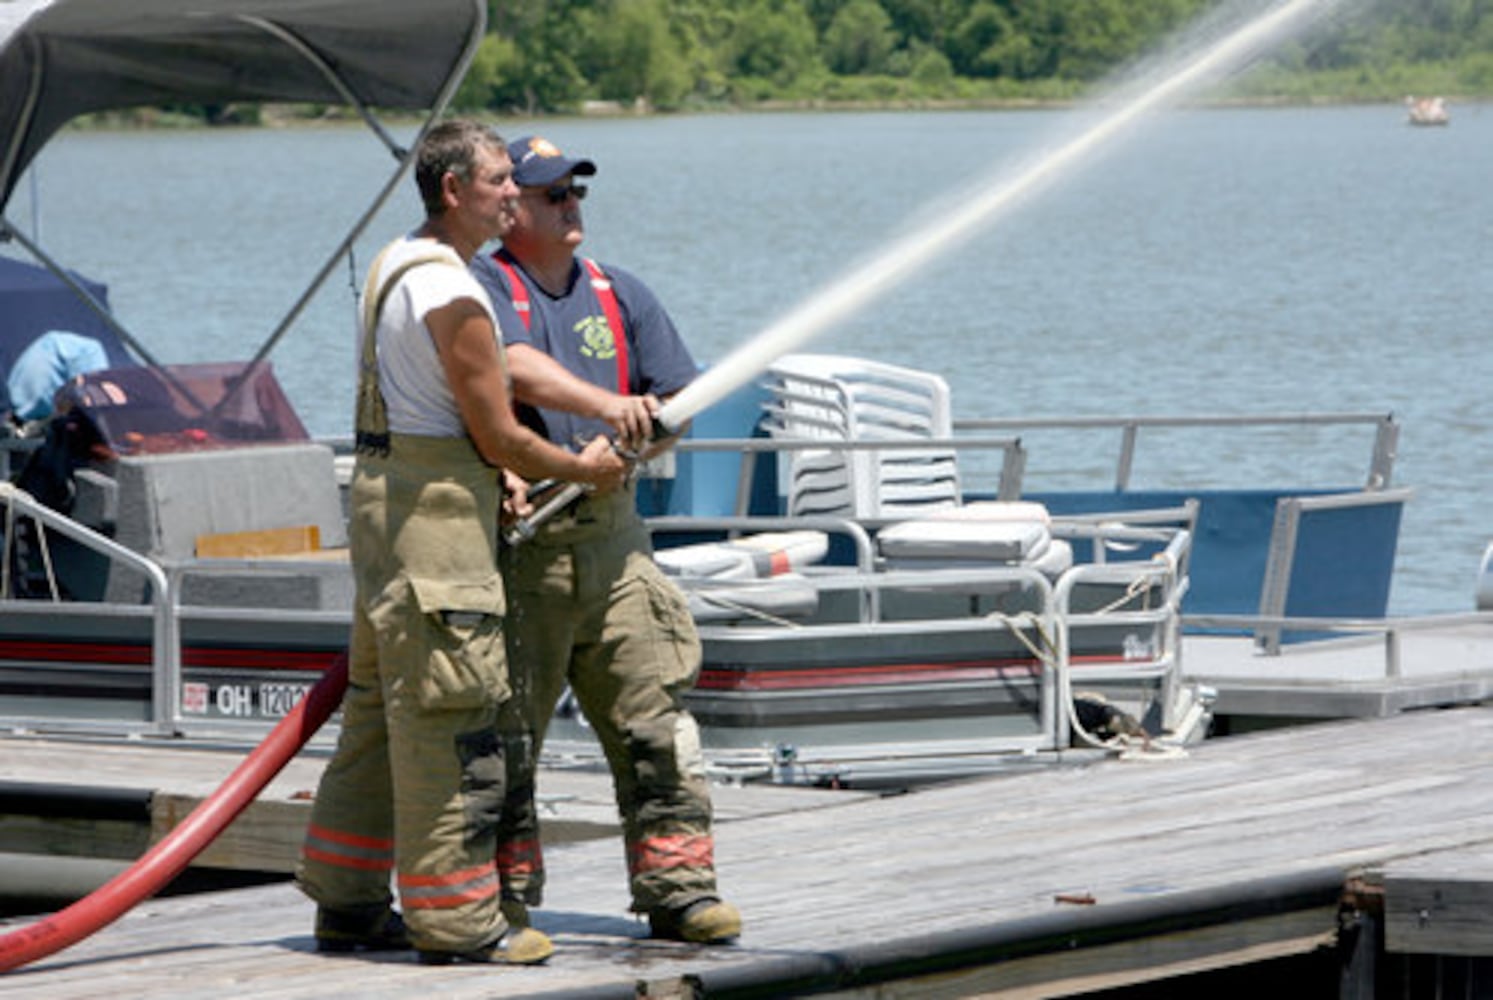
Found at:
<point>989,531</point>
<point>748,578</point>
<point>752,557</point>
<point>788,595</point>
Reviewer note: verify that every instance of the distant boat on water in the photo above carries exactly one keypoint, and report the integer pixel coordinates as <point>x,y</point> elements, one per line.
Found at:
<point>1427,111</point>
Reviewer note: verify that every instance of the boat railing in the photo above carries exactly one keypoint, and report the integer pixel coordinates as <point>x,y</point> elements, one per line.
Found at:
<point>1163,569</point>
<point>1169,527</point>
<point>1130,605</point>
<point>1161,578</point>
<point>1124,530</point>
<point>984,435</point>
<point>1266,549</point>
<point>1391,630</point>
<point>164,610</point>
<point>1381,459</point>
<point>163,599</point>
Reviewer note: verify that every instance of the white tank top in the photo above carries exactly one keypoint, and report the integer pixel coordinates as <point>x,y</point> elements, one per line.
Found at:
<point>417,396</point>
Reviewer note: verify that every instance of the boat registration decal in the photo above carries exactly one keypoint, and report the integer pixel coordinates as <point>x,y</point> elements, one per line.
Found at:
<point>242,700</point>
<point>276,700</point>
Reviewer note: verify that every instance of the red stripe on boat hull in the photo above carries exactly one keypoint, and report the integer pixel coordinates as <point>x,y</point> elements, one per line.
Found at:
<point>111,654</point>
<point>873,674</point>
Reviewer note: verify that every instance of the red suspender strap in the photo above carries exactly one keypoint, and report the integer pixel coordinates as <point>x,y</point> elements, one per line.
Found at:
<point>516,289</point>
<point>603,288</point>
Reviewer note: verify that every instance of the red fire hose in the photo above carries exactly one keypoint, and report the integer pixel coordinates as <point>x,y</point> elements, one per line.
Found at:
<point>170,857</point>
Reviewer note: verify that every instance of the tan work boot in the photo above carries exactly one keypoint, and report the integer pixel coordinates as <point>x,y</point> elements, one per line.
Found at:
<point>519,946</point>
<point>705,921</point>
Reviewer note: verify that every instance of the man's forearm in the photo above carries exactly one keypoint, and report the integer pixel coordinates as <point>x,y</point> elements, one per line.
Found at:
<point>541,381</point>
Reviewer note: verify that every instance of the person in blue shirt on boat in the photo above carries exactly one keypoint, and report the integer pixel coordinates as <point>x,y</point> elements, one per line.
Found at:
<point>591,351</point>
<point>47,365</point>
<point>416,785</point>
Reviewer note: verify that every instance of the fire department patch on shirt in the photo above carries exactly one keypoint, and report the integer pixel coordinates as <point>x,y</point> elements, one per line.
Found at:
<point>596,338</point>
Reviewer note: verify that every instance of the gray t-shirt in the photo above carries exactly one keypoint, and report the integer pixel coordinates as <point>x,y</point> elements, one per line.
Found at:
<point>572,328</point>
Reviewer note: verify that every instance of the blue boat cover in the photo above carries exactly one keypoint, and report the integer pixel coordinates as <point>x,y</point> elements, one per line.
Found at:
<point>37,302</point>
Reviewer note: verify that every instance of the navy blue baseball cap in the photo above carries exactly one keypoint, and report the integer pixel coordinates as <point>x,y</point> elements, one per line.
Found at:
<point>537,162</point>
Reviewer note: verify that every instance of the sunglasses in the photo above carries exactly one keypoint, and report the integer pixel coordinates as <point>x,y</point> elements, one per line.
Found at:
<point>559,193</point>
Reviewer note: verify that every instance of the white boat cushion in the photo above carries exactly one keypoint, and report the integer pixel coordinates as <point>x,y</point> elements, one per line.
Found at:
<point>999,510</point>
<point>753,557</point>
<point>1014,532</point>
<point>1052,561</point>
<point>789,595</point>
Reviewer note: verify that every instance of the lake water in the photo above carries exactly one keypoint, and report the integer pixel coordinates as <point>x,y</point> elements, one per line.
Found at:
<point>1237,261</point>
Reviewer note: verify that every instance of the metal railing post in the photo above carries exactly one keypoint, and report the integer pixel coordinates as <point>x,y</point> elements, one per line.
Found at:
<point>166,626</point>
<point>1386,449</point>
<point>1127,457</point>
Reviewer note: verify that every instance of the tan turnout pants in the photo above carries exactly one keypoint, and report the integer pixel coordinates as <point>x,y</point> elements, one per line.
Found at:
<point>416,785</point>
<point>590,608</point>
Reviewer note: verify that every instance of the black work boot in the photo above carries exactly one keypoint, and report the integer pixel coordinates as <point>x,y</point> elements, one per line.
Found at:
<point>355,928</point>
<point>704,921</point>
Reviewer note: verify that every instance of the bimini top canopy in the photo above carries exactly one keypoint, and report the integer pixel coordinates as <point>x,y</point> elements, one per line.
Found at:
<point>64,58</point>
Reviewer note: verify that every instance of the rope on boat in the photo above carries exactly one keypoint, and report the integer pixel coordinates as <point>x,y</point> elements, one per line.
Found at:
<point>1123,745</point>
<point>162,863</point>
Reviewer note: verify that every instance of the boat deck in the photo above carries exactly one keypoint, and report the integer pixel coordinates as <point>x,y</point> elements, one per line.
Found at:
<point>1429,662</point>
<point>1038,884</point>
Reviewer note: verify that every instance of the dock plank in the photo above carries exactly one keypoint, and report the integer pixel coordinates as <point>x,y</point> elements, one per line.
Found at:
<point>576,803</point>
<point>828,889</point>
<point>1441,903</point>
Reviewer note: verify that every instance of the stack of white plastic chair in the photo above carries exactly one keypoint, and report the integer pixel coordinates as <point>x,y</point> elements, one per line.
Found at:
<point>855,400</point>
<point>852,399</point>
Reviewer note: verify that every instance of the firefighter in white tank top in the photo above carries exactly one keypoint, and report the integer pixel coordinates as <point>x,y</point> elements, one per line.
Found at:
<point>416,786</point>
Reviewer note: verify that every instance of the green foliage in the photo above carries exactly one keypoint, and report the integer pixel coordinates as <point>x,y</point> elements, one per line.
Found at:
<point>552,55</point>
<point>629,53</point>
<point>928,66</point>
<point>859,39</point>
<point>986,43</point>
<point>528,62</point>
<point>773,40</point>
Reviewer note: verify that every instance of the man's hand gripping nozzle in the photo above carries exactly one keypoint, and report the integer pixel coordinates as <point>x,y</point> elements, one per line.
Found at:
<point>559,495</point>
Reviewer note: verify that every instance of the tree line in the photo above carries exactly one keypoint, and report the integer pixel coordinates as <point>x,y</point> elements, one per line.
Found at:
<point>556,55</point>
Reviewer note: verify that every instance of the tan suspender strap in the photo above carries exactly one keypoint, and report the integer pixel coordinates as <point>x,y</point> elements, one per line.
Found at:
<point>371,423</point>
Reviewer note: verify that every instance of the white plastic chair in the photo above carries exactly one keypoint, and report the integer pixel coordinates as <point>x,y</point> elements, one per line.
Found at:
<point>852,399</point>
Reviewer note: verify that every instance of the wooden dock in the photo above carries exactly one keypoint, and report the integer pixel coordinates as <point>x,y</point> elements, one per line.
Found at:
<point>106,801</point>
<point>1351,838</point>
